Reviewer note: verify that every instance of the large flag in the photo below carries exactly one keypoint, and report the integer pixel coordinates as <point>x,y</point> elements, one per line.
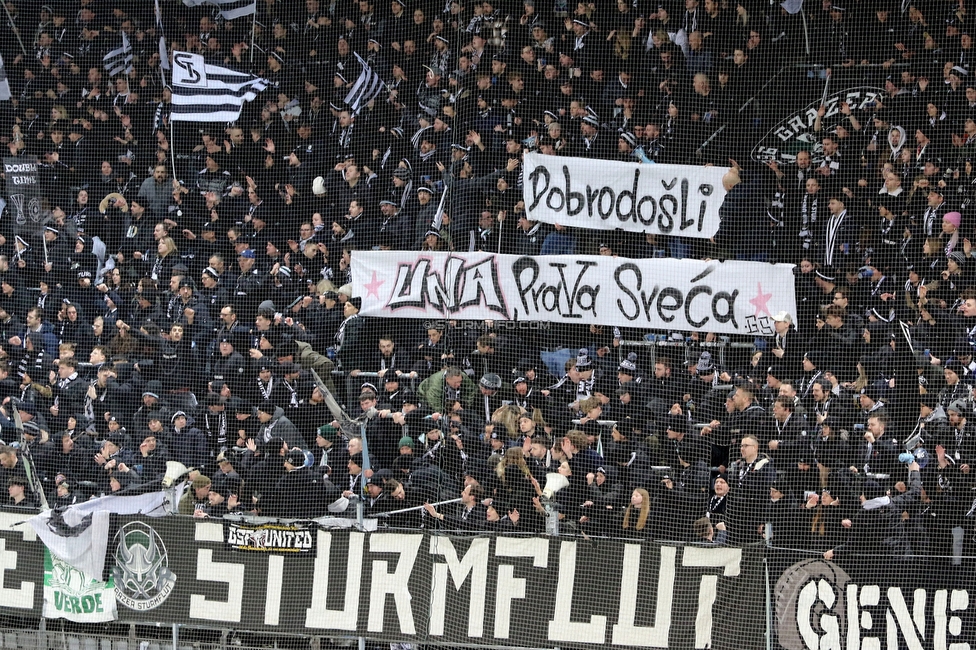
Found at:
<point>79,534</point>
<point>368,85</point>
<point>163,56</point>
<point>229,9</point>
<point>4,84</point>
<point>69,593</point>
<point>207,92</point>
<point>119,60</point>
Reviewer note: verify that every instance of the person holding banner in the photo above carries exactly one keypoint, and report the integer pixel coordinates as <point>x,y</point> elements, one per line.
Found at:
<point>740,232</point>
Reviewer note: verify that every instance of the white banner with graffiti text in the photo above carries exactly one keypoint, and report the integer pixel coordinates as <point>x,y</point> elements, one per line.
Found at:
<point>682,295</point>
<point>678,200</point>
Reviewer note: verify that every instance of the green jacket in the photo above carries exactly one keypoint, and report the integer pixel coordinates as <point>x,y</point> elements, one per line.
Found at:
<point>431,390</point>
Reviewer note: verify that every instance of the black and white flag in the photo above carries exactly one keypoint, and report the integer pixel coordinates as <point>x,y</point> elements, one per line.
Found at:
<point>229,9</point>
<point>163,55</point>
<point>207,92</point>
<point>119,60</point>
<point>368,85</point>
<point>4,84</point>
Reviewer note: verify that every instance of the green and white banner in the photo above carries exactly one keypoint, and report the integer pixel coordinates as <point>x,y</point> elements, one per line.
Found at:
<point>70,594</point>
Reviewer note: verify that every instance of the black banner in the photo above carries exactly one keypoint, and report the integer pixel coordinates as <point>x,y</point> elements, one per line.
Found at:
<point>419,588</point>
<point>913,603</point>
<point>23,185</point>
<point>515,591</point>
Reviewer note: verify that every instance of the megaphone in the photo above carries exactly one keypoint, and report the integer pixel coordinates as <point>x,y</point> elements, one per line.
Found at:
<point>175,471</point>
<point>554,483</point>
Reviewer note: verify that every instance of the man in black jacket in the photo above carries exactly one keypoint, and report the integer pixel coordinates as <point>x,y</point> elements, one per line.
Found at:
<point>740,232</point>
<point>750,478</point>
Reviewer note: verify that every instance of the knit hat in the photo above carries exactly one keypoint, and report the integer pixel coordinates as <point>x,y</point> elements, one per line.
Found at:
<point>153,388</point>
<point>295,457</point>
<point>405,441</point>
<point>491,381</point>
<point>959,406</point>
<point>958,257</point>
<point>676,423</point>
<point>955,218</point>
<point>328,432</point>
<point>583,359</point>
<point>705,365</point>
<point>956,366</point>
<point>629,365</point>
<point>872,392</point>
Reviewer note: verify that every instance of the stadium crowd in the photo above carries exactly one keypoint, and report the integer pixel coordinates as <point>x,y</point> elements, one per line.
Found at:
<point>187,278</point>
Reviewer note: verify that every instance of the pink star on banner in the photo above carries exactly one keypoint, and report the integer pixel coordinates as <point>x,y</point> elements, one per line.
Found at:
<point>760,301</point>
<point>373,286</point>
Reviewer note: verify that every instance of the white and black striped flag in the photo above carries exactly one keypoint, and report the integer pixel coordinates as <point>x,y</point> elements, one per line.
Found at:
<point>229,9</point>
<point>4,84</point>
<point>119,60</point>
<point>163,56</point>
<point>368,85</point>
<point>207,92</point>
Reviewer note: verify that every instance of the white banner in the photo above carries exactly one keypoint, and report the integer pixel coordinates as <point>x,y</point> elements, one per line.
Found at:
<point>668,294</point>
<point>678,200</point>
<point>70,594</point>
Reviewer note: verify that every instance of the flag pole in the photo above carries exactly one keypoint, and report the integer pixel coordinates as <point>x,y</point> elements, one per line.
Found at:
<point>13,27</point>
<point>172,145</point>
<point>254,19</point>
<point>823,99</point>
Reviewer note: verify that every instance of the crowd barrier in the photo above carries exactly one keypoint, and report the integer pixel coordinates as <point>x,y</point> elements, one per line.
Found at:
<point>489,590</point>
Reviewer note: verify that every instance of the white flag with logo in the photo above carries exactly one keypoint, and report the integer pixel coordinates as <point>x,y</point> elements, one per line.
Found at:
<point>208,92</point>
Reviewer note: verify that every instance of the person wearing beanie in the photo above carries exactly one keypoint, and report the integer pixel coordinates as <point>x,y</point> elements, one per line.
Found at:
<point>879,518</point>
<point>404,462</point>
<point>149,459</point>
<point>196,499</point>
<point>272,422</point>
<point>951,223</point>
<point>186,443</point>
<point>958,383</point>
<point>351,345</point>
<point>679,447</point>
